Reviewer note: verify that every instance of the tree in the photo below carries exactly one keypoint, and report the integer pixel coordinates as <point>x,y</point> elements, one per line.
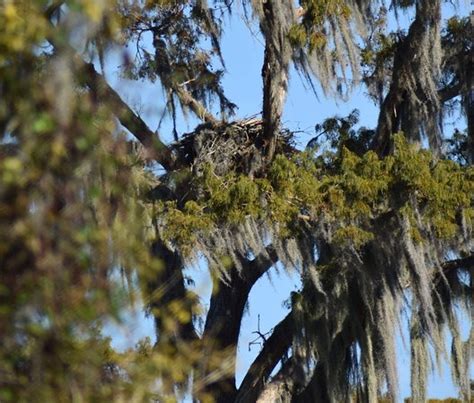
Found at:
<point>375,225</point>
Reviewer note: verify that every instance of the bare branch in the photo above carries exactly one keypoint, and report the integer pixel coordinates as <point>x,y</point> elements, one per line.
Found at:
<point>272,352</point>
<point>192,103</point>
<point>449,92</point>
<point>466,263</point>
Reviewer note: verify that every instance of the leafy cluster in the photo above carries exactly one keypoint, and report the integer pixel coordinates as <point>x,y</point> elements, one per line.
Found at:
<point>349,189</point>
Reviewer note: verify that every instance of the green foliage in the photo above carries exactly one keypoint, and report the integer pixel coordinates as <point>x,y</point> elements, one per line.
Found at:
<point>310,31</point>
<point>70,217</point>
<point>352,190</point>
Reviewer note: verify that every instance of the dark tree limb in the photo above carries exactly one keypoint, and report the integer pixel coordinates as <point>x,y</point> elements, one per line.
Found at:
<point>223,322</point>
<point>272,352</point>
<point>462,263</point>
<point>155,148</point>
<point>449,92</point>
<point>165,287</point>
<point>255,268</point>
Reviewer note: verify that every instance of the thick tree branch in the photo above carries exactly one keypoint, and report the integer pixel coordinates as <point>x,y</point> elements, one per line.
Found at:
<point>275,68</point>
<point>155,148</point>
<point>272,352</point>
<point>466,263</point>
<point>167,287</point>
<point>283,384</point>
<point>449,92</point>
<point>255,268</point>
<point>223,322</point>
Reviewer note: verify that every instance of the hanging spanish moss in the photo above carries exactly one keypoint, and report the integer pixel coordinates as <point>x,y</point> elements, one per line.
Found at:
<point>369,232</point>
<point>365,233</point>
<point>324,40</point>
<point>412,101</point>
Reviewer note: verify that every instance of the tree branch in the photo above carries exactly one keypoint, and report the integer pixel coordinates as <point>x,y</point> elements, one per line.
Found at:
<point>164,288</point>
<point>223,322</point>
<point>255,268</point>
<point>272,352</point>
<point>155,148</point>
<point>282,385</point>
<point>192,103</point>
<point>275,68</point>
<point>466,262</point>
<point>449,92</point>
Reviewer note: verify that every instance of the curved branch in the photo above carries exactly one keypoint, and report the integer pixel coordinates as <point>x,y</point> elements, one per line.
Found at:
<point>255,268</point>
<point>223,322</point>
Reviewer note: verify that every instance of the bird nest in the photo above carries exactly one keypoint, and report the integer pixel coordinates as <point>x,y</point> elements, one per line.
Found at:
<point>229,147</point>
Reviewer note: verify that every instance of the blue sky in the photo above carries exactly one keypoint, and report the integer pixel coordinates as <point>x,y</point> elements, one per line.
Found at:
<point>243,53</point>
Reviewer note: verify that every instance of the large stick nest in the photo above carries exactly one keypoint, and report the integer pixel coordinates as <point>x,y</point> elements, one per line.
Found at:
<point>229,147</point>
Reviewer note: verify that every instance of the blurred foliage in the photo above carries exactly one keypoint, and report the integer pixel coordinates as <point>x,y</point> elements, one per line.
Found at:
<point>72,226</point>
